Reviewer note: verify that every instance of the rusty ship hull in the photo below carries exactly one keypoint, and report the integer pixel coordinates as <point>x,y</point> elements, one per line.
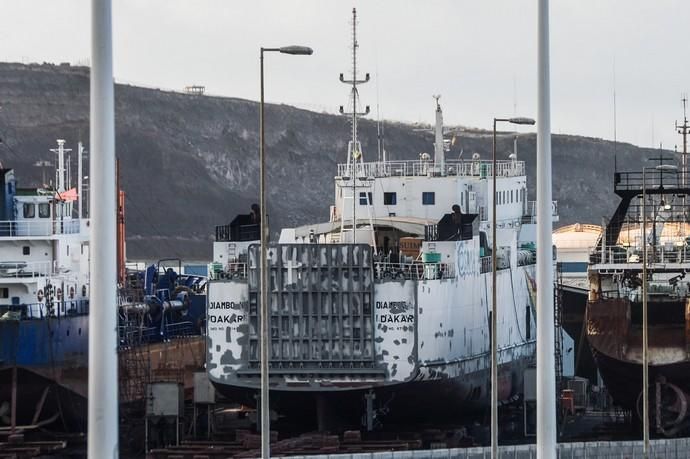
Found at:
<point>615,337</point>
<point>641,258</point>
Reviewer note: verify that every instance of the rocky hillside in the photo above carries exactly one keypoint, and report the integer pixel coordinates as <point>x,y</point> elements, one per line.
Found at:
<point>191,162</point>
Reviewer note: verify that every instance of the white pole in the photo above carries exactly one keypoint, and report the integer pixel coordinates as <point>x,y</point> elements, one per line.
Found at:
<point>546,372</point>
<point>494,307</point>
<point>80,181</point>
<point>265,308</point>
<point>60,179</point>
<point>439,154</point>
<point>103,396</point>
<point>645,355</point>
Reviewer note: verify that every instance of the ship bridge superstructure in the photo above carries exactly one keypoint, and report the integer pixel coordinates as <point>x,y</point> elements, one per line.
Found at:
<point>44,244</point>
<point>652,212</point>
<point>415,188</point>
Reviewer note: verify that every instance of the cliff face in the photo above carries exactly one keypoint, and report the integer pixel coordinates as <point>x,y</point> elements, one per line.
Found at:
<point>189,162</point>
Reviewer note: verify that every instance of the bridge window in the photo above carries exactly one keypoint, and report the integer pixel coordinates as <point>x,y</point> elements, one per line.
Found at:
<point>363,198</point>
<point>428,198</point>
<point>26,250</point>
<point>574,267</point>
<point>44,210</point>
<point>389,199</point>
<point>4,292</point>
<point>29,210</point>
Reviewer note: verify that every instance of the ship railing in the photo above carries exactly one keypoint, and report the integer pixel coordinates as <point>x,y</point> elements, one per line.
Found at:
<point>232,270</point>
<point>132,333</point>
<point>25,269</point>
<point>654,178</point>
<point>54,310</point>
<point>39,227</point>
<point>530,215</point>
<point>228,233</point>
<point>610,294</point>
<point>357,364</point>
<point>431,232</point>
<point>414,271</point>
<point>672,252</point>
<point>130,295</point>
<point>179,329</point>
<point>485,264</point>
<point>426,168</point>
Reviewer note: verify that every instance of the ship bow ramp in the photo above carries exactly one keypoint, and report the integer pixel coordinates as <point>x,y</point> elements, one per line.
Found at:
<point>332,327</point>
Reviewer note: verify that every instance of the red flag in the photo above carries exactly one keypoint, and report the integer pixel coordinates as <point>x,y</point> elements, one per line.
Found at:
<point>67,195</point>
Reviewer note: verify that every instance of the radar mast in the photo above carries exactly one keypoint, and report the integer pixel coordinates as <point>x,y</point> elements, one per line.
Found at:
<point>355,161</point>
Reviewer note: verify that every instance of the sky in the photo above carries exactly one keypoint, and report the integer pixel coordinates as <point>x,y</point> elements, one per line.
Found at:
<point>481,56</point>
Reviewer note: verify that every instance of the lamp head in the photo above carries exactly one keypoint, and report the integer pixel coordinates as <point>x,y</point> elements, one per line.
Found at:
<point>521,120</point>
<point>296,50</point>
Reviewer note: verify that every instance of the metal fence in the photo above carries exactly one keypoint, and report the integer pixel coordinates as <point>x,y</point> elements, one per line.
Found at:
<point>54,309</point>
<point>669,252</point>
<point>38,227</point>
<point>667,449</point>
<point>531,211</point>
<point>25,269</point>
<point>382,271</point>
<point>422,168</point>
<point>414,271</point>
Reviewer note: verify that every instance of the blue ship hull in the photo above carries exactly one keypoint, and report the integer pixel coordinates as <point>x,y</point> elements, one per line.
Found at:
<point>51,356</point>
<point>55,348</point>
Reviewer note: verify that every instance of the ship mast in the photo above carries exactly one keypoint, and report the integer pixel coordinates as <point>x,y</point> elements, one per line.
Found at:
<point>439,153</point>
<point>61,176</point>
<point>60,172</point>
<point>354,148</point>
<point>683,130</point>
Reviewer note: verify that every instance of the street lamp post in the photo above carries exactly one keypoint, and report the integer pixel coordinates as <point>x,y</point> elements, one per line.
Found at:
<point>645,375</point>
<point>494,321</point>
<point>645,332</point>
<point>265,417</point>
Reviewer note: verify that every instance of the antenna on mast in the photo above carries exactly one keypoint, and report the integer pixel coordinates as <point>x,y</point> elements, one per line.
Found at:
<point>354,148</point>
<point>379,126</point>
<point>60,171</point>
<point>615,121</point>
<point>683,130</point>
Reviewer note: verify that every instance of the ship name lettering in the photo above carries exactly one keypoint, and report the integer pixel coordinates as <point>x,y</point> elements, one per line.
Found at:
<point>396,318</point>
<point>391,305</point>
<point>226,319</point>
<point>227,305</point>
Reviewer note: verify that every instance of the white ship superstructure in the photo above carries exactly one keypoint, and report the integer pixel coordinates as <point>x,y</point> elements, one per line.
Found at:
<point>409,301</point>
<point>44,247</point>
